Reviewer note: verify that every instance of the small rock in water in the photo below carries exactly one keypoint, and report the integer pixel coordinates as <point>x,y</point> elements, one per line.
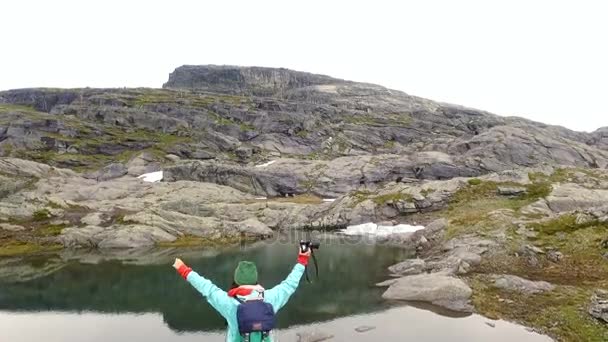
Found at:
<point>313,336</point>
<point>364,328</point>
<point>491,325</point>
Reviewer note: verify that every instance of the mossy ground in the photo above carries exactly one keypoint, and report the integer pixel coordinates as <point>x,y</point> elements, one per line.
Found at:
<point>12,248</point>
<point>561,313</point>
<point>469,208</point>
<point>40,231</point>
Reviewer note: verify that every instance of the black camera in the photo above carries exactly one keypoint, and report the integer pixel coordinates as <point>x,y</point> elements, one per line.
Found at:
<point>306,245</point>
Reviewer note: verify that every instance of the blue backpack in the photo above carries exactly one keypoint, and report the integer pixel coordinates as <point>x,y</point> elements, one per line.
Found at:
<point>255,317</point>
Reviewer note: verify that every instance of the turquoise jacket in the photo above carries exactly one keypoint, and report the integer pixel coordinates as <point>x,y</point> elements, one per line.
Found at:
<point>227,306</point>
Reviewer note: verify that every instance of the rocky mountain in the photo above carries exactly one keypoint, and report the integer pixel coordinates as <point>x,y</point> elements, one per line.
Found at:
<point>248,152</point>
<point>242,116</point>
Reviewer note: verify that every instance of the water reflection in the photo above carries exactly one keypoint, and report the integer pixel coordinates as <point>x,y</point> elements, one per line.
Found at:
<point>397,324</point>
<point>345,286</point>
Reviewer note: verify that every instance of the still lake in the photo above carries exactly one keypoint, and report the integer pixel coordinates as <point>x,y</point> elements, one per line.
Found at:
<point>78,296</point>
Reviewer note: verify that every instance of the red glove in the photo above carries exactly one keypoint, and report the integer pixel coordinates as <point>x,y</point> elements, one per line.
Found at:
<point>182,268</point>
<point>303,258</point>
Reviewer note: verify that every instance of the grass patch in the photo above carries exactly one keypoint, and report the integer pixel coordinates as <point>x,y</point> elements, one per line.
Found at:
<point>474,181</point>
<point>469,207</point>
<point>300,199</point>
<point>13,248</point>
<point>41,215</point>
<point>567,175</point>
<point>389,144</point>
<point>393,197</point>
<point>566,224</point>
<point>51,230</point>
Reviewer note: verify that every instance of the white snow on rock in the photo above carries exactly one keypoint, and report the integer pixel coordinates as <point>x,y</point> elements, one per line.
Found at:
<point>329,199</point>
<point>266,164</point>
<point>261,198</point>
<point>152,177</point>
<point>377,230</point>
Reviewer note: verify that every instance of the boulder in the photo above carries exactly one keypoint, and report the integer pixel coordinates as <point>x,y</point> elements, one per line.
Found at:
<point>108,172</point>
<point>521,285</point>
<point>11,227</point>
<point>143,163</point>
<point>599,305</point>
<point>539,207</point>
<point>511,190</point>
<point>408,267</point>
<point>555,256</point>
<point>439,289</point>
<point>134,236</point>
<point>571,197</point>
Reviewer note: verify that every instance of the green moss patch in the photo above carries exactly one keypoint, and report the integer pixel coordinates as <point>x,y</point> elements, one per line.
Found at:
<point>12,248</point>
<point>392,198</point>
<point>566,224</point>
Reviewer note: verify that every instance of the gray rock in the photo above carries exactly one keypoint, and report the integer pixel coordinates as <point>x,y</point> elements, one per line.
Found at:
<point>111,171</point>
<point>539,207</point>
<point>517,284</point>
<point>93,219</point>
<point>11,227</point>
<point>555,256</point>
<point>143,163</point>
<point>570,197</point>
<point>134,236</point>
<point>599,305</point>
<point>511,191</point>
<point>172,157</point>
<point>328,179</point>
<point>530,254</point>
<point>438,289</point>
<point>408,267</point>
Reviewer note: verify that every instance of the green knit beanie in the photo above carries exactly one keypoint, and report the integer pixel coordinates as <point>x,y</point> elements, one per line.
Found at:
<point>246,273</point>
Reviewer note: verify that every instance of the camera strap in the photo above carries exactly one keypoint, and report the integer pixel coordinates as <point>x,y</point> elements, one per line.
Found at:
<point>314,259</point>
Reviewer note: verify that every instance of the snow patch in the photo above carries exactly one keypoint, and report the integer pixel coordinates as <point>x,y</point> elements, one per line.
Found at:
<point>152,177</point>
<point>378,230</point>
<point>266,164</point>
<point>329,199</point>
<point>261,198</point>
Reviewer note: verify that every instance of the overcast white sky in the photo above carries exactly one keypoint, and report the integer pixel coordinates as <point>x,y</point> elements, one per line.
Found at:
<point>544,60</point>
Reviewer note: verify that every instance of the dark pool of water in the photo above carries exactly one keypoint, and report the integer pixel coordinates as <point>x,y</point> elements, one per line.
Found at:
<point>344,287</point>
<point>137,296</point>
